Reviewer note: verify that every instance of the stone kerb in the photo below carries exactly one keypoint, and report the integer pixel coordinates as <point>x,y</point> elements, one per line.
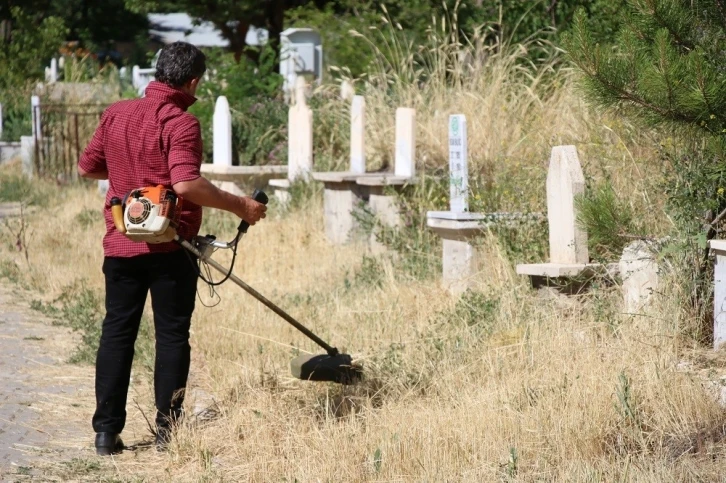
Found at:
<point>568,242</point>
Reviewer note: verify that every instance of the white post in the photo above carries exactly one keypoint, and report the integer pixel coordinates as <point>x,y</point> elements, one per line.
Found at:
<point>565,181</point>
<point>35,116</point>
<point>300,135</point>
<point>222,133</point>
<point>53,70</point>
<point>719,297</point>
<point>405,142</point>
<point>458,164</point>
<point>357,135</point>
<point>135,77</point>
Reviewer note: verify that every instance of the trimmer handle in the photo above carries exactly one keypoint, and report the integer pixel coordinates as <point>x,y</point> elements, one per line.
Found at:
<point>260,197</point>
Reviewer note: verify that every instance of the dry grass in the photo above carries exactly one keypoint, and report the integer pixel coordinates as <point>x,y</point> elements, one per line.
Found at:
<point>505,384</point>
<point>509,385</point>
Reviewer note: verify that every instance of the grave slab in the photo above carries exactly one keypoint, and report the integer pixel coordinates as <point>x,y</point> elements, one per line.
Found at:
<point>718,248</point>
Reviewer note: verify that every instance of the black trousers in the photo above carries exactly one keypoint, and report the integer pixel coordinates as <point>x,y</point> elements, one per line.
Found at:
<point>172,280</point>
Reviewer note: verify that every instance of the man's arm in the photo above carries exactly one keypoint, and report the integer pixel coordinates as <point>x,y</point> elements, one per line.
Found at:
<point>92,164</point>
<point>204,193</point>
<point>185,158</point>
<point>97,175</point>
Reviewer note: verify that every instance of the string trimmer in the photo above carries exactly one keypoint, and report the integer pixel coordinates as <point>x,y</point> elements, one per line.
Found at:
<point>151,215</point>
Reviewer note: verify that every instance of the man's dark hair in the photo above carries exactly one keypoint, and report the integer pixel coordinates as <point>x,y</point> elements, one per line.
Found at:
<point>179,63</point>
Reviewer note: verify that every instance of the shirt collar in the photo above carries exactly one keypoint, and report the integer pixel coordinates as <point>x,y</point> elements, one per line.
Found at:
<point>159,90</point>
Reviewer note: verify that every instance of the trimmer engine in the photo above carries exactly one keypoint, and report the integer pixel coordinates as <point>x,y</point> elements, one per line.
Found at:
<point>148,214</point>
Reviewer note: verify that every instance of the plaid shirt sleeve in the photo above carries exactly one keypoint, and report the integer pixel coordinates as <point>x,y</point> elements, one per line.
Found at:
<point>185,153</point>
<point>93,159</point>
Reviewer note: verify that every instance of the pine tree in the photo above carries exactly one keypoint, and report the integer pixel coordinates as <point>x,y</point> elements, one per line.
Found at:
<point>667,67</point>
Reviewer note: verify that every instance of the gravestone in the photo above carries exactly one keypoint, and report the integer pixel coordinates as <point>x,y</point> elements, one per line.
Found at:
<point>222,143</point>
<point>300,135</point>
<point>458,165</point>
<point>567,240</point>
<point>565,181</point>
<point>357,135</point>
<point>718,248</point>
<point>347,91</point>
<point>299,143</point>
<point>457,227</point>
<point>640,275</point>
<point>405,159</point>
<point>341,194</point>
<point>1,121</point>
<point>222,133</point>
<point>53,70</point>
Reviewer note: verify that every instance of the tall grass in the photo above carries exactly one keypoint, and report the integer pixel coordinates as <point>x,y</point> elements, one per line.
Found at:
<point>502,384</point>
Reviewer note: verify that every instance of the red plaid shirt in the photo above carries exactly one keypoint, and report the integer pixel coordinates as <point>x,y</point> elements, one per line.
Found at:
<point>147,142</point>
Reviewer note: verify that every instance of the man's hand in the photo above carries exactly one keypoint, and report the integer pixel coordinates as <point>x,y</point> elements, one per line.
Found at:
<point>250,210</point>
<point>204,193</point>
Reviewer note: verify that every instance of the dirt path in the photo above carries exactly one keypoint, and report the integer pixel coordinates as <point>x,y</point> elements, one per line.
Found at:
<point>34,378</point>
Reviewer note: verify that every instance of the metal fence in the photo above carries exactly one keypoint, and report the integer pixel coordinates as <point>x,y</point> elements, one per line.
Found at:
<point>61,133</point>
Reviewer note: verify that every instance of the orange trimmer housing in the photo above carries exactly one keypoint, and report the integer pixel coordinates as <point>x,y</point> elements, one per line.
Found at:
<point>149,214</point>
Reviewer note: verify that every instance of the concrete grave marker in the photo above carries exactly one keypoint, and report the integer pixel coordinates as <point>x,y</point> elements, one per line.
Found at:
<point>300,135</point>
<point>357,135</point>
<point>347,91</point>
<point>53,70</point>
<point>222,133</point>
<point>458,165</point>
<point>565,181</point>
<point>640,274</point>
<point>1,120</point>
<point>405,164</point>
<point>568,241</point>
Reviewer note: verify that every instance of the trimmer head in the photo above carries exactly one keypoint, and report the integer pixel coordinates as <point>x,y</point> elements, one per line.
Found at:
<point>338,368</point>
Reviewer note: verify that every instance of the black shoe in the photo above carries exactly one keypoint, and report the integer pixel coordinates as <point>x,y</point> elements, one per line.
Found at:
<point>163,438</point>
<point>108,444</point>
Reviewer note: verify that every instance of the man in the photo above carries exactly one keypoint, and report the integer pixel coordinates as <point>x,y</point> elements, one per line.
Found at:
<point>147,142</point>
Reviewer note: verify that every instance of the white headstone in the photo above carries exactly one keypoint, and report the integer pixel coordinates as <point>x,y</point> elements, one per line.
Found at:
<point>300,90</point>
<point>458,164</point>
<point>640,274</point>
<point>47,74</point>
<point>357,135</point>
<point>62,62</point>
<point>565,181</point>
<point>300,135</point>
<point>35,116</point>
<point>53,70</point>
<point>1,121</point>
<point>347,91</point>
<point>222,133</point>
<point>405,142</point>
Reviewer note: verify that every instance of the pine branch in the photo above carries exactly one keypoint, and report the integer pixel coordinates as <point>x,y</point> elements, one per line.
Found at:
<point>663,23</point>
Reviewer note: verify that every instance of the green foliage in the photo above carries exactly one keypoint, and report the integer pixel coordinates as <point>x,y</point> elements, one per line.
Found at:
<point>665,67</point>
<point>607,218</point>
<point>259,115</point>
